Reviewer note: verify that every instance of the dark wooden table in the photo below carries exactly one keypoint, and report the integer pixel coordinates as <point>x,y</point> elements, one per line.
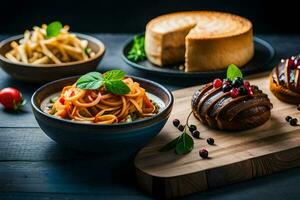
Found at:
<point>32,166</point>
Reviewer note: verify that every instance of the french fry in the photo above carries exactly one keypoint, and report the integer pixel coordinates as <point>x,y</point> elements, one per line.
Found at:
<point>14,44</point>
<point>66,28</point>
<point>34,57</point>
<point>75,56</point>
<point>69,48</point>
<point>34,37</point>
<point>65,56</point>
<point>28,50</point>
<point>51,41</point>
<point>43,60</point>
<point>84,44</point>
<point>11,57</point>
<point>26,36</point>
<point>49,54</point>
<point>92,54</point>
<point>22,53</point>
<point>85,57</point>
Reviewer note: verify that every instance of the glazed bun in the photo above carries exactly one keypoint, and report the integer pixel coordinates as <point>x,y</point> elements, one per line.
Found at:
<point>285,80</point>
<point>231,106</point>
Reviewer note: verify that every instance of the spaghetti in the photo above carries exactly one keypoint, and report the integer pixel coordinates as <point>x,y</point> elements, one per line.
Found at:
<point>102,107</point>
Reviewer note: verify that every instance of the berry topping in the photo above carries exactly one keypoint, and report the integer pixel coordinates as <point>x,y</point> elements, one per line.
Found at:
<point>242,90</point>
<point>203,153</point>
<point>293,122</point>
<point>217,83</point>
<point>210,141</point>
<point>226,80</point>
<point>180,127</point>
<point>246,84</point>
<point>234,93</point>
<point>226,87</point>
<point>176,122</point>
<point>288,118</point>
<point>291,62</point>
<point>250,91</point>
<point>192,128</point>
<point>196,134</point>
<point>237,82</point>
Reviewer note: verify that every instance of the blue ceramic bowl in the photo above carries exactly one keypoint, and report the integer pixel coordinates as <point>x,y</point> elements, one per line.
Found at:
<point>122,137</point>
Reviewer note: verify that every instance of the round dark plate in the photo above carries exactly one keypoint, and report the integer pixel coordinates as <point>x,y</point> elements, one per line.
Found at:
<point>263,55</point>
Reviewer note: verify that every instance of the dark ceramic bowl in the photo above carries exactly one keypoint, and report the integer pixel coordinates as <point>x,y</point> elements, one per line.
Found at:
<point>50,72</point>
<point>128,137</point>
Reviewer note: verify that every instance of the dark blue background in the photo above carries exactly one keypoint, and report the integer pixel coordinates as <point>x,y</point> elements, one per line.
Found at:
<point>119,16</point>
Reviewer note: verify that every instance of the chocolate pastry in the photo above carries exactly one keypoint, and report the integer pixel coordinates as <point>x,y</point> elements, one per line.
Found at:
<point>227,105</point>
<point>285,80</point>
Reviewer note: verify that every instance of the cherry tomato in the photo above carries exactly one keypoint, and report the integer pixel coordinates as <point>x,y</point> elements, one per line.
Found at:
<point>11,99</point>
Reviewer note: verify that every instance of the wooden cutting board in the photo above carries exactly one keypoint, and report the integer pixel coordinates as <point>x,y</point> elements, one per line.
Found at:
<point>235,157</point>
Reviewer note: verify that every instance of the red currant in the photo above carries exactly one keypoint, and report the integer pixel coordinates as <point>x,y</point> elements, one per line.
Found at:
<point>246,84</point>
<point>291,62</point>
<point>250,91</point>
<point>217,83</point>
<point>234,93</point>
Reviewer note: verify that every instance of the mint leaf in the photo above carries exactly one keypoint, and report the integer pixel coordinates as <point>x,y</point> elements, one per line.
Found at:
<point>170,145</point>
<point>233,72</point>
<point>185,144</point>
<point>117,87</point>
<point>53,29</point>
<point>90,81</point>
<point>114,75</point>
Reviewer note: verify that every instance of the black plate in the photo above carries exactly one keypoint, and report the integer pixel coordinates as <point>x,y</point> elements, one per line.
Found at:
<point>263,55</point>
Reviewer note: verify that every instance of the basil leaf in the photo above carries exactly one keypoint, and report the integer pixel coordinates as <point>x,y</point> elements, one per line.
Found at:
<point>90,81</point>
<point>53,29</point>
<point>170,145</point>
<point>185,144</point>
<point>114,75</point>
<point>233,72</point>
<point>117,87</point>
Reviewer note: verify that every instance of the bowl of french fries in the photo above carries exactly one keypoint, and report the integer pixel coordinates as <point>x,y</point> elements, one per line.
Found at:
<point>50,52</point>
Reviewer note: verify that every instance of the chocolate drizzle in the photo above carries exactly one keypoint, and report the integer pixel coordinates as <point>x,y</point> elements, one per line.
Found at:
<point>218,109</point>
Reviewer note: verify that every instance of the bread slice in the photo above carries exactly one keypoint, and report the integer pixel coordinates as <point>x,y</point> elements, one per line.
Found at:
<point>204,40</point>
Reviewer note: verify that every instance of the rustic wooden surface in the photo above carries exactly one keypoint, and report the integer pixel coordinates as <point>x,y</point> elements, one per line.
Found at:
<point>33,167</point>
<point>236,156</point>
